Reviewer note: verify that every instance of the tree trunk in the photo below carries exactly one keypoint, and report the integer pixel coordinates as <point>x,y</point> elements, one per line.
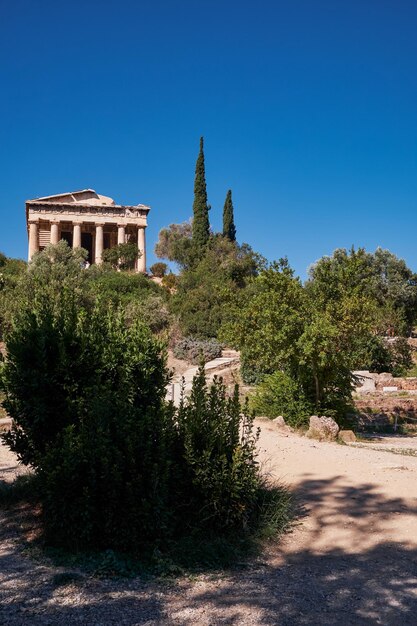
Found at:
<point>317,385</point>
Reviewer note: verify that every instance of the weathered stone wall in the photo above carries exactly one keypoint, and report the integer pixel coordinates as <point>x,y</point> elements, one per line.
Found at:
<point>371,383</point>
<point>387,404</point>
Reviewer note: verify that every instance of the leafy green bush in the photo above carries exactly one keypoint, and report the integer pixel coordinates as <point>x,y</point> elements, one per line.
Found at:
<point>123,256</point>
<point>159,269</point>
<point>381,355</point>
<point>152,311</point>
<point>218,477</point>
<point>204,289</point>
<point>87,396</point>
<point>251,374</point>
<point>401,356</point>
<point>197,350</point>
<point>11,271</point>
<point>278,394</point>
<point>119,288</point>
<point>169,281</point>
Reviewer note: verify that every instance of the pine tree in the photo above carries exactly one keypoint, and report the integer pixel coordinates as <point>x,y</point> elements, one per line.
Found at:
<point>201,225</point>
<point>229,228</point>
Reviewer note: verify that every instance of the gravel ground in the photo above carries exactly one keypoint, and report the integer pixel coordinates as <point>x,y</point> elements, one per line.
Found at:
<point>352,559</point>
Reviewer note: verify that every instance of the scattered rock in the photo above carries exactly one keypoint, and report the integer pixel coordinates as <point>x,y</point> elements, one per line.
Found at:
<point>322,428</point>
<point>347,436</point>
<point>279,422</point>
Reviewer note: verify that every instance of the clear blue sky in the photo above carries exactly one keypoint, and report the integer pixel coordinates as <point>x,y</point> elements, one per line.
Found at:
<point>308,109</point>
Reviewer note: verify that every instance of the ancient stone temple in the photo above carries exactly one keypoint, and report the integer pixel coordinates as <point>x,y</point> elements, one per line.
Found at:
<point>88,220</point>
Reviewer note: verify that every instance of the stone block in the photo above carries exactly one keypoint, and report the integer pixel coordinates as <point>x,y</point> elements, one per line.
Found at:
<point>322,428</point>
<point>347,436</point>
<point>279,422</point>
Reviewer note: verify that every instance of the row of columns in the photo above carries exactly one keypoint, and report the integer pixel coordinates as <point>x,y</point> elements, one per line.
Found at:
<point>99,240</point>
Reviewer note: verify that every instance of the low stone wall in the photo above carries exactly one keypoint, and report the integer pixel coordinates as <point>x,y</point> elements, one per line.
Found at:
<point>379,412</point>
<point>369,383</point>
<point>387,404</point>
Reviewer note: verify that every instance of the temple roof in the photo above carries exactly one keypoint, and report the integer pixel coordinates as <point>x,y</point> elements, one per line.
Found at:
<point>82,199</point>
<point>84,196</point>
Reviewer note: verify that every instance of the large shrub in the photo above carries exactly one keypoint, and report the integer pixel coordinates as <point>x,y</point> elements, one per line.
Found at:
<point>152,311</point>
<point>218,475</point>
<point>120,288</point>
<point>278,394</point>
<point>86,393</point>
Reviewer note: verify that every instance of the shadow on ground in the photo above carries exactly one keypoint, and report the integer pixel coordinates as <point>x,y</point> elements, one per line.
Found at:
<point>368,581</point>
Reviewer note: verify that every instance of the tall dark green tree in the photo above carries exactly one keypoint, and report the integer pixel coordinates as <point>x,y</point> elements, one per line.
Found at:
<point>229,228</point>
<point>201,224</point>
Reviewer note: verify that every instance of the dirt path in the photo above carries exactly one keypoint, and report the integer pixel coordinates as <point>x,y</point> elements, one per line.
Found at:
<point>351,560</point>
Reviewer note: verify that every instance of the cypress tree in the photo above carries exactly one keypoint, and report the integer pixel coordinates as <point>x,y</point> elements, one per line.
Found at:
<point>201,224</point>
<point>229,228</point>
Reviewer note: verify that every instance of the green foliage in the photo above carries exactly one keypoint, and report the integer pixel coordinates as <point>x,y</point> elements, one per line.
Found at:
<point>197,350</point>
<point>318,333</point>
<point>123,256</point>
<point>279,394</point>
<point>382,277</point>
<point>251,373</point>
<point>267,321</point>
<point>201,225</point>
<point>175,243</point>
<point>203,291</point>
<point>55,268</point>
<point>159,269</point>
<point>113,462</point>
<point>382,355</point>
<point>116,466</point>
<point>219,480</point>
<point>401,356</point>
<point>169,281</point>
<point>152,311</point>
<point>372,354</point>
<point>86,392</point>
<point>277,328</point>
<point>229,228</point>
<point>324,367</point>
<point>11,271</point>
<point>120,288</point>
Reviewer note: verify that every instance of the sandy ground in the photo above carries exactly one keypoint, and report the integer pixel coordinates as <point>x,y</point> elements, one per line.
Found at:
<point>351,559</point>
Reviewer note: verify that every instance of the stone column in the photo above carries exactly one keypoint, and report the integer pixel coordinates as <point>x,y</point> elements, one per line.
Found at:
<point>142,249</point>
<point>121,233</point>
<point>54,232</point>
<point>33,239</point>
<point>99,244</point>
<point>76,235</point>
